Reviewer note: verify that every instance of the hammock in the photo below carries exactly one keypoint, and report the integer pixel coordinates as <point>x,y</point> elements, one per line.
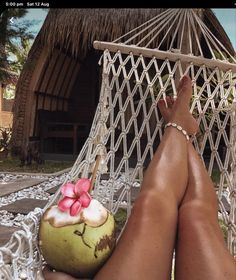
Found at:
<point>128,127</point>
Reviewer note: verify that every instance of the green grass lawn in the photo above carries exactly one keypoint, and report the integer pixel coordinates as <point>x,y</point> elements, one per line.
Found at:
<point>215,176</point>
<point>13,165</point>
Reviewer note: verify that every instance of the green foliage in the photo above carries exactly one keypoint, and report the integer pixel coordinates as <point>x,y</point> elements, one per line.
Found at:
<point>120,219</point>
<point>121,216</point>
<point>20,51</point>
<point>224,229</point>
<point>5,137</point>
<point>226,90</point>
<point>215,176</point>
<point>9,91</point>
<point>15,39</point>
<point>165,83</point>
<point>158,85</point>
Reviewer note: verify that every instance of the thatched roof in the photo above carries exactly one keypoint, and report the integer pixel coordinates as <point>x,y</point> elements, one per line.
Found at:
<point>75,30</point>
<point>217,29</point>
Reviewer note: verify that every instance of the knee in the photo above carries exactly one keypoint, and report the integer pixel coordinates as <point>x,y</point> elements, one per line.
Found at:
<point>150,204</point>
<point>196,212</point>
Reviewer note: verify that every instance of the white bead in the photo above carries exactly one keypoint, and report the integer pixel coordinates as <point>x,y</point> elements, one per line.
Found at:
<point>179,128</point>
<point>23,275</point>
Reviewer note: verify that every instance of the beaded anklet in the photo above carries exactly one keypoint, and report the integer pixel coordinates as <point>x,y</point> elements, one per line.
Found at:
<point>179,128</point>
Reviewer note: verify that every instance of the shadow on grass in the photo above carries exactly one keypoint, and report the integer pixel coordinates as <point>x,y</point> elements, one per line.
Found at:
<point>13,165</point>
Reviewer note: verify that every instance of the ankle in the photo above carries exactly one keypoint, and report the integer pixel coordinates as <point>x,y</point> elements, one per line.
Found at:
<point>179,128</point>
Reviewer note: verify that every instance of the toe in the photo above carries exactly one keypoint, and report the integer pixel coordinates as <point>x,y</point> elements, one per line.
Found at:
<point>185,84</point>
<point>185,89</point>
<point>170,101</point>
<point>165,111</point>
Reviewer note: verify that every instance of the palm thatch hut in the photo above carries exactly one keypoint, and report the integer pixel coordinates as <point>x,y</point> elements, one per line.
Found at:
<point>58,90</point>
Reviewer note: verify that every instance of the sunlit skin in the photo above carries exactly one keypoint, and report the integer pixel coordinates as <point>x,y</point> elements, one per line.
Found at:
<point>176,208</point>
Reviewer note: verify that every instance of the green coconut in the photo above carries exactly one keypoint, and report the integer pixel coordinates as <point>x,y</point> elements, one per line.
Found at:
<point>80,245</point>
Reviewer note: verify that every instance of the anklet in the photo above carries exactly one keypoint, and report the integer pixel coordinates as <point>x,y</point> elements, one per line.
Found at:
<point>179,128</point>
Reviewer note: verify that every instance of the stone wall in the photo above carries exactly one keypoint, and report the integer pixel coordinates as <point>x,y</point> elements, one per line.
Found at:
<point>7,104</point>
<point>6,119</point>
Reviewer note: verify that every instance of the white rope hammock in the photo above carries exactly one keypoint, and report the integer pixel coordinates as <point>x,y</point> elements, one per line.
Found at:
<point>127,126</point>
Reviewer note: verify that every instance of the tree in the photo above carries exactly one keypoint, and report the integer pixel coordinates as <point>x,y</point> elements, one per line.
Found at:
<point>20,52</point>
<point>14,38</point>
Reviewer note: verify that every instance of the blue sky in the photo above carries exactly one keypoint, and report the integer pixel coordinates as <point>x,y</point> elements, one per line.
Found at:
<point>227,18</point>
<point>38,16</point>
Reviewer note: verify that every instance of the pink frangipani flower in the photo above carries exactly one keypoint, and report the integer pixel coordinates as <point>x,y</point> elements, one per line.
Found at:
<point>76,196</point>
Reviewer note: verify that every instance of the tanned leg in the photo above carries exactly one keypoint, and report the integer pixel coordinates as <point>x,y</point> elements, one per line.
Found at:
<point>146,246</point>
<point>201,252</point>
<point>145,249</point>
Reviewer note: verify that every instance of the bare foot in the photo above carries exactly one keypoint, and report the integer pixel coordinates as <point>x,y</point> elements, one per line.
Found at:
<point>178,111</point>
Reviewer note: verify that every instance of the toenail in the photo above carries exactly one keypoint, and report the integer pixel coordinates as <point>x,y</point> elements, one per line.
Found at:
<point>184,79</point>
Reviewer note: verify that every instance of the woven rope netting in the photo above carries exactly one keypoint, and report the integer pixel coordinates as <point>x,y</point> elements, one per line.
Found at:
<point>128,127</point>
